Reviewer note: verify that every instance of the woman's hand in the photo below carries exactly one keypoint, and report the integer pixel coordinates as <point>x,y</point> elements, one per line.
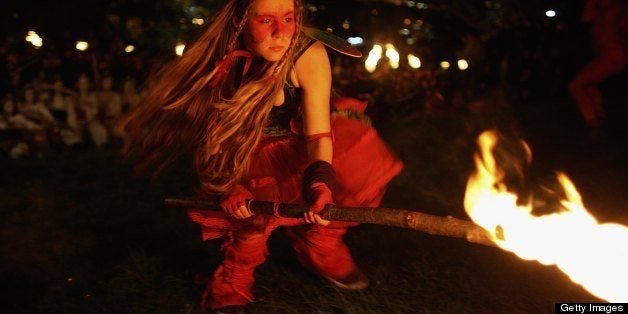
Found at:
<point>234,203</point>
<point>320,195</point>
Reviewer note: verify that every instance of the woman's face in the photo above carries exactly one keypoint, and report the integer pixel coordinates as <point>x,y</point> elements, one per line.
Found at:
<point>270,28</point>
<point>29,95</point>
<point>9,106</point>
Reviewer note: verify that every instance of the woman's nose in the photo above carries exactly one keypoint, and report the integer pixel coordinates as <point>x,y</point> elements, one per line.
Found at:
<point>282,29</point>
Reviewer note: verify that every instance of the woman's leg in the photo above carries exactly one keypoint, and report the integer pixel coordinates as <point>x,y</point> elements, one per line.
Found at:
<point>243,251</point>
<point>322,250</point>
<point>584,87</point>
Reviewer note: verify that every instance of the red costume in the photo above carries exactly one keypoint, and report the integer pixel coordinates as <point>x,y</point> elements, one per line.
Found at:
<point>605,17</point>
<point>363,165</point>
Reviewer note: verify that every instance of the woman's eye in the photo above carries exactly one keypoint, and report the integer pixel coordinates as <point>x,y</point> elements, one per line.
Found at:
<point>288,19</point>
<point>266,21</point>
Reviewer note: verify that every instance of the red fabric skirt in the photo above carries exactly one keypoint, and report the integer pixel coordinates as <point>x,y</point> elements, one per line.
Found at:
<point>362,161</point>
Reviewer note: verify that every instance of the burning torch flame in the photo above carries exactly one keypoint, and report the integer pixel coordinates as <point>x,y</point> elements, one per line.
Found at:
<point>392,55</point>
<point>374,55</point>
<point>593,255</point>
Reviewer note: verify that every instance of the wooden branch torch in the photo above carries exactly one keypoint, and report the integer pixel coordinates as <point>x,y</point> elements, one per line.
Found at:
<point>402,218</point>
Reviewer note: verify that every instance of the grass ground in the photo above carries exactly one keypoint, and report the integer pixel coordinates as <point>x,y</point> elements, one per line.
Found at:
<point>80,234</point>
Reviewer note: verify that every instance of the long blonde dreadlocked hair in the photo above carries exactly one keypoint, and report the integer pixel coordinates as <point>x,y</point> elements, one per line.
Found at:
<point>220,124</point>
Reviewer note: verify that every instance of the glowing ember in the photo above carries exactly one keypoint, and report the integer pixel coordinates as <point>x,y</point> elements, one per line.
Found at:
<point>592,254</point>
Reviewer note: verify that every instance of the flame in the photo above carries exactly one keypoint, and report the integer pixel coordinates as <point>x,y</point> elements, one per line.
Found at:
<point>374,55</point>
<point>593,255</point>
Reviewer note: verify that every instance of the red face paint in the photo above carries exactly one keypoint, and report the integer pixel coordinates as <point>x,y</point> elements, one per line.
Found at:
<point>270,29</point>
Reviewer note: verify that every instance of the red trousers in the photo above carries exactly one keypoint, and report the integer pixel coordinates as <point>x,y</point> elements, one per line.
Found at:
<point>318,248</point>
<point>606,21</point>
<point>363,164</point>
<point>584,87</point>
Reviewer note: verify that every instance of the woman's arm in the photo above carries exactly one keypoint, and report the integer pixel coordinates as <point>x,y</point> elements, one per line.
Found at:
<point>313,75</point>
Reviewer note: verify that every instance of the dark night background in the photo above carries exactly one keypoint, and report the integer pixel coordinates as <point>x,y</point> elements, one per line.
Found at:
<point>520,33</point>
<point>80,234</point>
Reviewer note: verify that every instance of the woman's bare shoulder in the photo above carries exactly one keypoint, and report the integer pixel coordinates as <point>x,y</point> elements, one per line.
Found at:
<point>313,65</point>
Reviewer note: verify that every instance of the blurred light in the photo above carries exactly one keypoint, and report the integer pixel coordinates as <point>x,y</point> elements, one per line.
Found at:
<point>34,39</point>
<point>129,48</point>
<point>421,5</point>
<point>374,12</point>
<point>198,21</point>
<point>550,13</point>
<point>346,25</point>
<point>410,3</point>
<point>81,45</point>
<point>374,55</point>
<point>410,41</point>
<point>312,8</point>
<point>417,25</point>
<point>393,56</point>
<point>445,65</point>
<point>178,49</point>
<point>407,21</point>
<point>355,41</point>
<point>414,61</point>
<point>463,64</point>
<point>404,31</point>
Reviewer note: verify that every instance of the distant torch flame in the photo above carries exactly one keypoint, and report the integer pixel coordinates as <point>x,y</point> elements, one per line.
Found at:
<point>593,255</point>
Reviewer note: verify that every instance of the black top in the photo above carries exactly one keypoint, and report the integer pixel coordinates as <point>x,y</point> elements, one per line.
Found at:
<point>280,116</point>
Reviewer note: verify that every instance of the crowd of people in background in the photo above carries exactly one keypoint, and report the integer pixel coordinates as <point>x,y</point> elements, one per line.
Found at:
<point>45,115</point>
<point>55,99</point>
<point>58,99</point>
<point>73,100</point>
